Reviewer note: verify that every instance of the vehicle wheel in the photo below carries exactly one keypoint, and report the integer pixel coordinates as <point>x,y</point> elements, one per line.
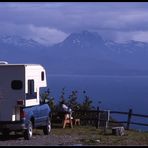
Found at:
<point>28,132</point>
<point>47,128</point>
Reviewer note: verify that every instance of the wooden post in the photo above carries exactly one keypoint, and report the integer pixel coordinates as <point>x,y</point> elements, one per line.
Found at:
<point>97,120</point>
<point>129,119</point>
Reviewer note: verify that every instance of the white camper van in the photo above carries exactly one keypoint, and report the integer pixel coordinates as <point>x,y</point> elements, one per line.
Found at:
<point>20,107</point>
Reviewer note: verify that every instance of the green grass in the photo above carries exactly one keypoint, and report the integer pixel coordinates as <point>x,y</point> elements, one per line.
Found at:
<point>89,135</point>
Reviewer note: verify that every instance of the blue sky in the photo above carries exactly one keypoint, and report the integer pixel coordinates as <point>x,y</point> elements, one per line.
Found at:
<point>51,22</point>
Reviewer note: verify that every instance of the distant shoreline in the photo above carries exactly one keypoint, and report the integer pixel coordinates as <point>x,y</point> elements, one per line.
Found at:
<point>84,75</point>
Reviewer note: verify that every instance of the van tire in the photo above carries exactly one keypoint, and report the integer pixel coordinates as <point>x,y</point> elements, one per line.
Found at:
<point>28,132</point>
<point>47,128</point>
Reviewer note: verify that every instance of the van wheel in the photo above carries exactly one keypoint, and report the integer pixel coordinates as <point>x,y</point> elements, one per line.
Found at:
<point>47,128</point>
<point>28,132</point>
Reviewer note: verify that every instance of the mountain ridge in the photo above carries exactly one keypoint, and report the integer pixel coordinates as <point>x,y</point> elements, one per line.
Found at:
<point>80,53</point>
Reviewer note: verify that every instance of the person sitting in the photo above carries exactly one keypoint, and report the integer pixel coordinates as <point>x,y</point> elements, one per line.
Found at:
<point>65,107</point>
<point>68,114</point>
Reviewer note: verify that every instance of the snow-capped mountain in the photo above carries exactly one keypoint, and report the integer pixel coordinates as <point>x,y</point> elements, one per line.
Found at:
<point>80,53</point>
<point>83,39</point>
<point>89,53</point>
<point>16,49</point>
<point>14,40</point>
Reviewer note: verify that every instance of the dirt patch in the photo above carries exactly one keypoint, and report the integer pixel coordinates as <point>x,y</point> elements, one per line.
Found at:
<point>40,139</point>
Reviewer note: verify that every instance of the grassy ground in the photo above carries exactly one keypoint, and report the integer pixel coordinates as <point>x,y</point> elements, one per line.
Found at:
<point>88,135</point>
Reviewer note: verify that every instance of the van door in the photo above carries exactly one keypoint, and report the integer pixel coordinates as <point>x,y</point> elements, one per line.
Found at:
<point>31,96</point>
<point>43,110</point>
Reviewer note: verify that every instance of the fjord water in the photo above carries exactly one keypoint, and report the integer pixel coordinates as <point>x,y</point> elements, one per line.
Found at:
<point>117,93</point>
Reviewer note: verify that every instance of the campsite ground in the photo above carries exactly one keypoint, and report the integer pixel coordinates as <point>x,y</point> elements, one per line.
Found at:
<point>79,135</point>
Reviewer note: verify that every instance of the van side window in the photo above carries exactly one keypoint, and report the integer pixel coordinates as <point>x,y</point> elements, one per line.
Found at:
<point>16,84</point>
<point>42,75</point>
<point>30,87</point>
<point>31,94</point>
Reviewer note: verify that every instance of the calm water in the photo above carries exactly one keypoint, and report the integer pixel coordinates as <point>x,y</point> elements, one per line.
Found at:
<point>118,93</point>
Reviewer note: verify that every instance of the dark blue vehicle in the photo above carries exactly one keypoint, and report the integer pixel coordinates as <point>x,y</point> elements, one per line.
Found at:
<point>38,116</point>
<point>21,109</point>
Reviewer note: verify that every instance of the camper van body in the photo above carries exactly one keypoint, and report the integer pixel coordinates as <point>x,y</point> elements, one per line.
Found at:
<point>20,98</point>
